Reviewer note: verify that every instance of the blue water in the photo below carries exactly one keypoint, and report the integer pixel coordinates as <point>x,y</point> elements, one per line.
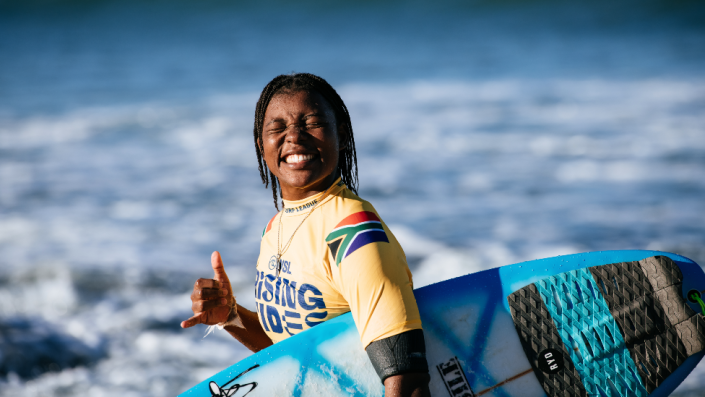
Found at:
<point>487,133</point>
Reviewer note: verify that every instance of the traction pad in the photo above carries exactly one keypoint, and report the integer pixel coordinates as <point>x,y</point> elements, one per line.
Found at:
<point>612,330</point>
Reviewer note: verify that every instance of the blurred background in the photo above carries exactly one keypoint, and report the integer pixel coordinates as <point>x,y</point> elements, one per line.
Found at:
<point>488,132</point>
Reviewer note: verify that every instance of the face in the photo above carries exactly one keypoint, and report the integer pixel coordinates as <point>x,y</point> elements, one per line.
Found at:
<point>301,145</point>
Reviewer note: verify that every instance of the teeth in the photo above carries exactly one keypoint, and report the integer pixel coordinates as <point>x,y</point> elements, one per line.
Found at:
<point>297,158</point>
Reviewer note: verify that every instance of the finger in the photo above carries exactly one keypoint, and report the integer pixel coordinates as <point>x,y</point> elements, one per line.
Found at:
<point>218,269</point>
<point>208,294</point>
<point>202,306</point>
<point>202,283</point>
<point>197,319</point>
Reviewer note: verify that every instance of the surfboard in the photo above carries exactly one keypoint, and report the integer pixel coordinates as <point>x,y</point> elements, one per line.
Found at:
<point>610,323</point>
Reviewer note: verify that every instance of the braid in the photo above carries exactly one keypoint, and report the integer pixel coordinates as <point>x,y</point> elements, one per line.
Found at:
<point>274,188</point>
<point>347,162</point>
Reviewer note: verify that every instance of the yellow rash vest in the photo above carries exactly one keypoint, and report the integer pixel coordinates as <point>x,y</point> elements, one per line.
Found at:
<point>342,258</point>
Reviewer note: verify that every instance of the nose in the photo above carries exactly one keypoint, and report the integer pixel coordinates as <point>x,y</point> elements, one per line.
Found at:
<point>295,133</point>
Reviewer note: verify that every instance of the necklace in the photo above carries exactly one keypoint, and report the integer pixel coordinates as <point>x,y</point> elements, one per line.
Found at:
<point>281,250</point>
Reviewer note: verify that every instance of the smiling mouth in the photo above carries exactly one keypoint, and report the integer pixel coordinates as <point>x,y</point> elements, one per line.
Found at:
<point>298,158</point>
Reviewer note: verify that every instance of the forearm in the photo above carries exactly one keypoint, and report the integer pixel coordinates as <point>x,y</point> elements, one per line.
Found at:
<point>407,385</point>
<point>252,336</point>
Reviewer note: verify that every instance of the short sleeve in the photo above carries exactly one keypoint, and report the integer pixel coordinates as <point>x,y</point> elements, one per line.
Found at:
<point>369,269</point>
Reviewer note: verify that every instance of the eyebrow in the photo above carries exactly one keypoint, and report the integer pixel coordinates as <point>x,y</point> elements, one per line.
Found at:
<point>274,121</point>
<point>317,114</point>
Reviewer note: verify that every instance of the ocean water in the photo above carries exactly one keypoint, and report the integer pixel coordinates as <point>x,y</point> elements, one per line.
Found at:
<point>487,133</point>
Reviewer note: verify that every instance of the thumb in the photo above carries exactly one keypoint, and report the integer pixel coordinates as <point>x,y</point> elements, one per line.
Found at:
<point>219,270</point>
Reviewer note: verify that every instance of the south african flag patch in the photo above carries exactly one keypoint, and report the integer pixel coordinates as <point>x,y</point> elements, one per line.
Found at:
<point>353,232</point>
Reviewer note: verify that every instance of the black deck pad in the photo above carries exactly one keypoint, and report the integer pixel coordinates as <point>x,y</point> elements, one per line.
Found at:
<point>539,335</point>
<point>599,312</point>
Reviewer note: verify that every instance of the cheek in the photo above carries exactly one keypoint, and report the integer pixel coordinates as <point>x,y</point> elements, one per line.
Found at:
<point>271,154</point>
<point>332,146</point>
<point>332,156</point>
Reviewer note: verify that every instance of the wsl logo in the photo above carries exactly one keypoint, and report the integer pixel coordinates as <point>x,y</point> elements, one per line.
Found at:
<point>286,265</point>
<point>353,232</point>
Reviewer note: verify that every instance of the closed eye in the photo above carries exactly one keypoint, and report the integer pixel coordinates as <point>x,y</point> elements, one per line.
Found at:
<point>276,128</point>
<point>279,128</point>
<point>315,125</point>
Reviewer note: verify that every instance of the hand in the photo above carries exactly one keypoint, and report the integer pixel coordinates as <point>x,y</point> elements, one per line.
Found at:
<point>211,298</point>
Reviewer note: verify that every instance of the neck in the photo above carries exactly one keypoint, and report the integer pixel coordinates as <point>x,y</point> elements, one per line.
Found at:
<point>292,193</point>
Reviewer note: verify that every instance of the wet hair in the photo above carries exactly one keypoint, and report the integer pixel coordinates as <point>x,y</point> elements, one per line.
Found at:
<point>296,82</point>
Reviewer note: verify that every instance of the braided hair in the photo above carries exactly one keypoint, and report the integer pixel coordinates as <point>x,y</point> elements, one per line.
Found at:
<point>296,82</point>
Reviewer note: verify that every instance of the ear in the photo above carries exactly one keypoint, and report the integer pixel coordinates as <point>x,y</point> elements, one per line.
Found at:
<point>343,137</point>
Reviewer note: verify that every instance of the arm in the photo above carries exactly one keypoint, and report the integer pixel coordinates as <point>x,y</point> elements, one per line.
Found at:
<point>407,385</point>
<point>400,362</point>
<point>211,302</point>
<point>375,281</point>
<point>252,335</point>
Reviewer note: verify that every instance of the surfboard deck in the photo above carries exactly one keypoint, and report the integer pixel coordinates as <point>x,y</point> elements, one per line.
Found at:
<point>476,348</point>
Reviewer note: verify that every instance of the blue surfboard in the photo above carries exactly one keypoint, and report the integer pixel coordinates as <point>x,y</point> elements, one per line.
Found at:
<point>611,323</point>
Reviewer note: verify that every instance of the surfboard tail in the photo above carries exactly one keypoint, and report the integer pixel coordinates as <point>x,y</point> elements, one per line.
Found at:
<point>615,329</point>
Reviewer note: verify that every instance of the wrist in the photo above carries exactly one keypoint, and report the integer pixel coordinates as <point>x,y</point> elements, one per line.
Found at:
<point>233,317</point>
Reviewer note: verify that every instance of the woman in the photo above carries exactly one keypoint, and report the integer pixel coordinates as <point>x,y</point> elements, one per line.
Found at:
<point>327,252</point>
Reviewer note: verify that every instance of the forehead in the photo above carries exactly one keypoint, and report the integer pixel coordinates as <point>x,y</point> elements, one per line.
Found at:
<point>297,103</point>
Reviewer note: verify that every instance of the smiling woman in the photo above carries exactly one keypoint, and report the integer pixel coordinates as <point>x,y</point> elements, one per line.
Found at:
<point>300,143</point>
<point>330,253</point>
<point>323,136</point>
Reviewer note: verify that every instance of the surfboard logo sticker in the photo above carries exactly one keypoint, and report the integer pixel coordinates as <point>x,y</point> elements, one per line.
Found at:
<point>231,390</point>
<point>454,378</point>
<point>354,232</point>
<point>550,361</point>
